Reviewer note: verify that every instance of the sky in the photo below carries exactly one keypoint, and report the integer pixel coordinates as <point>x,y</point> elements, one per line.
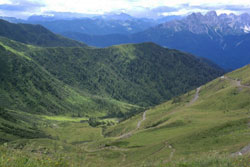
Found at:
<point>137,8</point>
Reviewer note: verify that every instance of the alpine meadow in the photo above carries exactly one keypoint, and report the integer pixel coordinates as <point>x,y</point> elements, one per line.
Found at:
<point>163,84</point>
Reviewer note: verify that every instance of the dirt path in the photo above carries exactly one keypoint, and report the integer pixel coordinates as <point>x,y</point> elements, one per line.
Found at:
<point>143,119</point>
<point>113,148</point>
<point>243,151</point>
<point>165,146</point>
<point>195,97</point>
<point>126,135</point>
<point>172,152</point>
<point>235,82</point>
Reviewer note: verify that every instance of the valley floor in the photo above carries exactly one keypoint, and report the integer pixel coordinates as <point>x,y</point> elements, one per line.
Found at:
<point>209,126</point>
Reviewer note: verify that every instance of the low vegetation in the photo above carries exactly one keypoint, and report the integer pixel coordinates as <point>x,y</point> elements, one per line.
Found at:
<point>80,106</point>
<point>176,134</point>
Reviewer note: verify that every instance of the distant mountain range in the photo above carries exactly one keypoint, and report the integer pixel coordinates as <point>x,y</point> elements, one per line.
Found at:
<point>220,38</point>
<point>97,26</point>
<point>93,25</point>
<point>211,24</point>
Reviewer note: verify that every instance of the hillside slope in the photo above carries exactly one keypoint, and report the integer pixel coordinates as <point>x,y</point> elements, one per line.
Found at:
<point>208,127</point>
<point>28,87</point>
<point>35,35</point>
<point>142,74</point>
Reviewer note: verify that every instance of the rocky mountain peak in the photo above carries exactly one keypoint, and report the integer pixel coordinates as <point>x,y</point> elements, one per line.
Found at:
<point>212,22</point>
<point>194,16</point>
<point>211,14</point>
<point>245,17</point>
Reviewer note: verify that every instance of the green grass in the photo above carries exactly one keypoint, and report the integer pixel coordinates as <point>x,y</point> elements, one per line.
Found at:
<point>65,118</point>
<point>174,134</point>
<point>211,160</point>
<point>16,125</point>
<point>74,133</point>
<point>218,122</point>
<point>18,158</point>
<point>123,127</point>
<point>241,74</point>
<point>14,51</point>
<point>43,112</point>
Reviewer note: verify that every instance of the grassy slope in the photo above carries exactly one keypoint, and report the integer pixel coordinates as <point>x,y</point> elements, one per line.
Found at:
<point>242,74</point>
<point>16,125</point>
<point>204,133</point>
<point>217,122</point>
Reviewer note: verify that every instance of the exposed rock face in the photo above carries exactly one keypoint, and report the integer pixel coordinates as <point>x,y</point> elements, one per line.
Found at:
<point>211,22</point>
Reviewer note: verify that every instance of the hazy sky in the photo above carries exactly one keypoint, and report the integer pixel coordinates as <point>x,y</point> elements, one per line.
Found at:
<point>149,8</point>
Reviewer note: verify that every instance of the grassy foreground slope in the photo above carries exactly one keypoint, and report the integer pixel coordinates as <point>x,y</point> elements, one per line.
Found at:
<point>205,132</point>
<point>211,131</point>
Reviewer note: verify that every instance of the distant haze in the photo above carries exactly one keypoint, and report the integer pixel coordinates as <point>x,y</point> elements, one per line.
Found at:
<point>136,8</point>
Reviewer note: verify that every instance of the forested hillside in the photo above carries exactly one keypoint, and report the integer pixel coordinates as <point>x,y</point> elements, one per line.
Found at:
<point>142,74</point>
<point>27,86</point>
<point>34,35</point>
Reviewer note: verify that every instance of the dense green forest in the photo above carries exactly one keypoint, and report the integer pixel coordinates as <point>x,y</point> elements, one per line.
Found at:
<point>143,74</point>
<point>27,86</point>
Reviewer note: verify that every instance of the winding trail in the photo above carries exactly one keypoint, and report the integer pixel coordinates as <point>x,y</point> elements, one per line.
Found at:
<point>126,135</point>
<point>195,97</point>
<point>172,152</point>
<point>235,82</point>
<point>166,145</point>
<point>113,148</point>
<point>243,151</point>
<point>143,119</point>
